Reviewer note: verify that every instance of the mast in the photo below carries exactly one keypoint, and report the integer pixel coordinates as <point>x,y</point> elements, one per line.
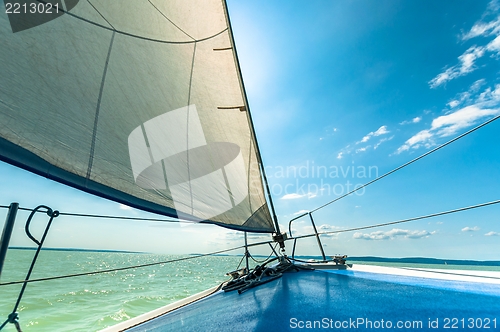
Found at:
<point>249,117</point>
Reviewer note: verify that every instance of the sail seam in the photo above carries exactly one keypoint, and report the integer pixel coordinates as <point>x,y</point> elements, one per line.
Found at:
<point>104,18</point>
<point>96,120</point>
<point>165,178</point>
<point>249,174</point>
<point>146,140</point>
<point>187,128</point>
<point>175,25</point>
<point>228,187</point>
<point>142,37</point>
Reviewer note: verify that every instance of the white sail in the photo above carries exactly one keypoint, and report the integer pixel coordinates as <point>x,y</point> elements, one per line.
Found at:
<point>136,101</point>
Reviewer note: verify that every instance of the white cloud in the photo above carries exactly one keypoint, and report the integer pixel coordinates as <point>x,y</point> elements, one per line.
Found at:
<point>492,234</point>
<point>414,120</point>
<point>470,229</point>
<point>296,196</point>
<point>292,196</point>
<point>450,124</point>
<point>483,29</point>
<point>423,136</point>
<point>392,234</point>
<point>466,61</point>
<point>380,131</point>
<point>363,149</point>
<point>300,212</point>
<point>324,228</point>
<point>463,118</point>
<point>466,97</point>
<point>490,97</point>
<point>466,65</point>
<point>239,236</point>
<point>382,141</point>
<point>494,45</point>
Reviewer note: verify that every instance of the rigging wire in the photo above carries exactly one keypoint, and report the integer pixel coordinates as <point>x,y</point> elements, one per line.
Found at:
<point>401,221</point>
<point>134,266</point>
<point>109,217</point>
<point>404,165</point>
<point>252,245</point>
<point>241,261</point>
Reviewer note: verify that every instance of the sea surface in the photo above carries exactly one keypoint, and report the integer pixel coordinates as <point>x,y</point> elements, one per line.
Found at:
<point>91,303</point>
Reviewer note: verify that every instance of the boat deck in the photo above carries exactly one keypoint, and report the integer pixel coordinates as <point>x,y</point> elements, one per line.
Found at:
<point>363,297</point>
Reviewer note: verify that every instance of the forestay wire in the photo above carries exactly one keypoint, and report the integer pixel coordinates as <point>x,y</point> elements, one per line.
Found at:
<point>404,165</point>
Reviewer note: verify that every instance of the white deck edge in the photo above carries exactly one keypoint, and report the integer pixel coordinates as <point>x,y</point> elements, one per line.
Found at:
<point>123,326</point>
<point>489,277</point>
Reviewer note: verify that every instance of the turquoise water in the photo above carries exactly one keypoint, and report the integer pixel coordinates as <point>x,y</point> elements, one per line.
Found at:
<point>91,303</point>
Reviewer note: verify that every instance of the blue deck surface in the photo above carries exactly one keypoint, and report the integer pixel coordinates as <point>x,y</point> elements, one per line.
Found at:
<point>341,300</point>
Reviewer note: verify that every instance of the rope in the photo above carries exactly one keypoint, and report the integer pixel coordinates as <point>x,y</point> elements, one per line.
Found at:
<point>131,267</point>
<point>13,318</point>
<point>402,221</point>
<point>262,274</point>
<point>404,165</point>
<point>262,261</point>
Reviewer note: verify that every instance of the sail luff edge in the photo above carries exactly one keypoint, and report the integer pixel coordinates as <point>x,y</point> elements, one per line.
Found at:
<point>249,116</point>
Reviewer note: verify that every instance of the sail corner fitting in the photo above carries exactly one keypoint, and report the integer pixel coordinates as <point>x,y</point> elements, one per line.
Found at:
<point>280,239</point>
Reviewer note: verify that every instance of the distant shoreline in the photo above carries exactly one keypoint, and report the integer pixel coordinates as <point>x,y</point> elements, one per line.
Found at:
<point>423,260</point>
<point>80,250</point>
<point>408,260</point>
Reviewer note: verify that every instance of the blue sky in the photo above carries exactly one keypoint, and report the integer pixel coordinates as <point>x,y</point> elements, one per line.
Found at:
<point>340,92</point>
